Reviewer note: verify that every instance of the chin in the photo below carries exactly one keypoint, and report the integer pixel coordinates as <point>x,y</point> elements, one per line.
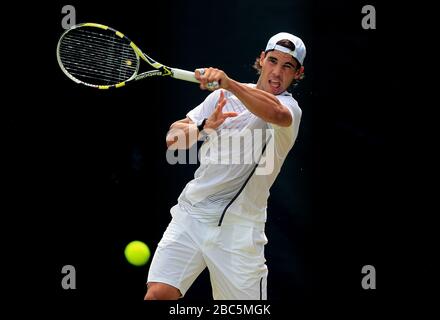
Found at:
<point>277,91</point>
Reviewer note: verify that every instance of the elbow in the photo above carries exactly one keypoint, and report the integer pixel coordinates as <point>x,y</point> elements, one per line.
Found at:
<point>169,144</point>
<point>176,145</point>
<point>171,138</point>
<point>177,139</point>
<point>282,118</point>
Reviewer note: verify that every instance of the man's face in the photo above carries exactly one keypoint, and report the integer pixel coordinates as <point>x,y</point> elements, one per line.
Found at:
<point>278,71</point>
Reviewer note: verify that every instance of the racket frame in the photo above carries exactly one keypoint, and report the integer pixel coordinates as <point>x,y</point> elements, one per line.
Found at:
<point>160,69</point>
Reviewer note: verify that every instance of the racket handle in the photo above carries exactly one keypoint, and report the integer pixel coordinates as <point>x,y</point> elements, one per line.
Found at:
<point>184,75</point>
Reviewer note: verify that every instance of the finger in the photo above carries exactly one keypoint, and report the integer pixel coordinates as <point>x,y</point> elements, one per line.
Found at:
<point>201,75</point>
<point>221,101</point>
<point>198,73</point>
<point>203,83</point>
<point>222,96</point>
<point>230,114</point>
<point>219,109</point>
<point>212,76</point>
<point>209,78</point>
<point>220,104</point>
<point>214,85</point>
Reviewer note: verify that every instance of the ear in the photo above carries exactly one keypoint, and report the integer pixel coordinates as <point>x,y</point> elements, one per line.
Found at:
<point>299,73</point>
<point>262,56</point>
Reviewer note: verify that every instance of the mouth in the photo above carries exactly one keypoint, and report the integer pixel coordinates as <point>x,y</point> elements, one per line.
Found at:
<point>275,85</point>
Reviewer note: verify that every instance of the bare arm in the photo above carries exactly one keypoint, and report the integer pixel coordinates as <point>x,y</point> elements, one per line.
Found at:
<point>261,103</point>
<point>184,133</point>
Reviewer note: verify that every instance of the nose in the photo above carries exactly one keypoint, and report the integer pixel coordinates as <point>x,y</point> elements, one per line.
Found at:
<point>277,70</point>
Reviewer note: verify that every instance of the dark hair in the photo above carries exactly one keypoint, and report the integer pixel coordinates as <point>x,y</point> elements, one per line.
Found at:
<point>287,44</point>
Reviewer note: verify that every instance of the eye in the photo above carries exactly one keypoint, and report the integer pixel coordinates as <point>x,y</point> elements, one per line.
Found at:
<point>290,67</point>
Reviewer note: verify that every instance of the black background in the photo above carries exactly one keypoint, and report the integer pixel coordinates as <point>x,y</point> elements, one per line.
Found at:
<point>86,171</point>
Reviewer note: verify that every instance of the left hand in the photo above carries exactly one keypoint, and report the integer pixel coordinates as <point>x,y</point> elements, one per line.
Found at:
<point>212,79</point>
<point>218,116</point>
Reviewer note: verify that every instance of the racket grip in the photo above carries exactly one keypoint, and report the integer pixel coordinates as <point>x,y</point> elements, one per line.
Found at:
<point>184,75</point>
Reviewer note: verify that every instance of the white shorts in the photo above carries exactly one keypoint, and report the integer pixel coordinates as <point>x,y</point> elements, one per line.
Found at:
<point>233,253</point>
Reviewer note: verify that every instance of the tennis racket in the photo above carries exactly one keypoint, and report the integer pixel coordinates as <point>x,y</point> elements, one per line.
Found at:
<point>98,56</point>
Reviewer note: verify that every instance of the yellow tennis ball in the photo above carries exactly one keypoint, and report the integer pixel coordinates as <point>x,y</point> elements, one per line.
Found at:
<point>137,253</point>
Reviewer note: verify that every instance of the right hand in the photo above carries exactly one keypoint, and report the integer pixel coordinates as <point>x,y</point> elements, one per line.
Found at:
<point>212,79</point>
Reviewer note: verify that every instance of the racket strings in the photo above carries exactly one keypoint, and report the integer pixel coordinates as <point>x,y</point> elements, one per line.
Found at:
<point>93,61</point>
<point>84,54</point>
<point>104,43</point>
<point>95,65</point>
<point>97,57</point>
<point>95,69</point>
<point>95,44</point>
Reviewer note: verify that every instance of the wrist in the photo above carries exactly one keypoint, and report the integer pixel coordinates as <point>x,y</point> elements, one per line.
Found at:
<point>233,86</point>
<point>201,125</point>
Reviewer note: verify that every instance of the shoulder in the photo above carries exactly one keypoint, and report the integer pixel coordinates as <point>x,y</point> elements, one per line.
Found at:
<point>289,101</point>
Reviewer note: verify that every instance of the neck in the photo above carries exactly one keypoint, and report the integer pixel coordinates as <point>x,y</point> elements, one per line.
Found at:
<point>258,86</point>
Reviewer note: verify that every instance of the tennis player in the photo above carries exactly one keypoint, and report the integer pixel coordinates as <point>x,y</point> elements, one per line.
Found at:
<point>218,221</point>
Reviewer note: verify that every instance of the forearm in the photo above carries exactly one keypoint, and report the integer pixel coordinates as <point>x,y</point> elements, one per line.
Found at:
<point>261,103</point>
<point>182,135</point>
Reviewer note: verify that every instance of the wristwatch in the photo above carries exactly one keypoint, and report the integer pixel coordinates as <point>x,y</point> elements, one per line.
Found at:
<point>201,125</point>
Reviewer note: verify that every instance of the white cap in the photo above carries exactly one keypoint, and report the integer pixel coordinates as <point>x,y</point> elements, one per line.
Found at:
<point>300,49</point>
